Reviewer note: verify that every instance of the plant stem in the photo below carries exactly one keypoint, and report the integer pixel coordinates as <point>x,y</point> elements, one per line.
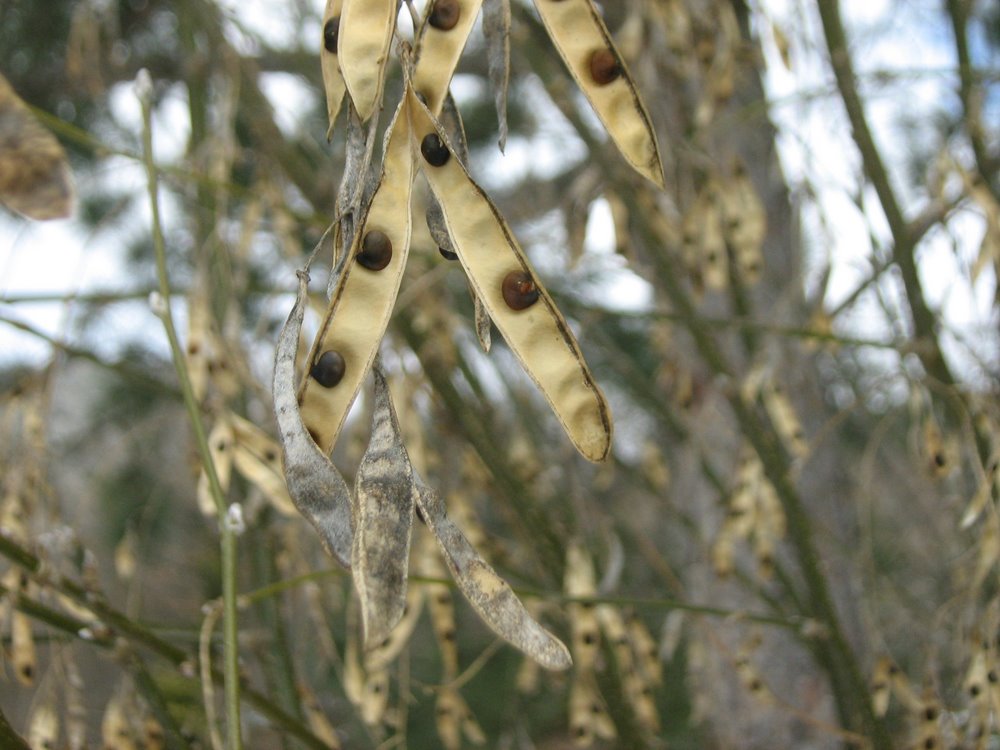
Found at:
<point>228,535</point>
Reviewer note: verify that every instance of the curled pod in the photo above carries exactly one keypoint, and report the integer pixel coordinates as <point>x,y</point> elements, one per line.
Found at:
<point>329,369</point>
<point>376,250</point>
<point>519,290</point>
<point>445,14</point>
<point>434,151</point>
<point>604,67</point>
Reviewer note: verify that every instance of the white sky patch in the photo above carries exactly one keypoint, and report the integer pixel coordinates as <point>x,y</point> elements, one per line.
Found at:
<point>290,97</point>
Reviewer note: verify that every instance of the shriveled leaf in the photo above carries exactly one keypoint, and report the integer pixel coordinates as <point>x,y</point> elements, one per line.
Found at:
<point>523,311</point>
<point>363,43</point>
<point>34,174</point>
<point>442,39</point>
<point>578,32</point>
<point>333,79</point>
<point>383,522</point>
<point>490,596</point>
<point>496,28</point>
<point>362,299</point>
<point>316,487</point>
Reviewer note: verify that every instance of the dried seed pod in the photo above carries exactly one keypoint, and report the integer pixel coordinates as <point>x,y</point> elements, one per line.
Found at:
<point>540,337</point>
<point>376,250</point>
<point>22,648</point>
<point>333,80</point>
<point>34,174</point>
<point>318,723</point>
<point>496,29</point>
<point>490,596</point>
<point>257,457</point>
<point>220,445</point>
<point>434,150</point>
<point>315,485</point>
<point>361,302</point>
<point>604,66</point>
<point>444,14</point>
<point>519,290</point>
<point>329,369</point>
<point>382,655</point>
<point>43,727</point>
<point>375,697</point>
<point>383,522</point>
<point>366,28</point>
<point>440,46</point>
<point>577,30</point>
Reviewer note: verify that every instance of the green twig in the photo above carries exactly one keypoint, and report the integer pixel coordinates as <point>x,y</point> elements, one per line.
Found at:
<point>228,534</point>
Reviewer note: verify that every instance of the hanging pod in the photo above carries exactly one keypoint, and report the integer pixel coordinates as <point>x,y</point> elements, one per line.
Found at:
<point>441,42</point>
<point>583,41</point>
<point>362,298</point>
<point>333,80</point>
<point>364,37</point>
<point>536,333</point>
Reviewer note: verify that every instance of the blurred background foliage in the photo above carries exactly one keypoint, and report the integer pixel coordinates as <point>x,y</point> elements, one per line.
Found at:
<point>799,511</point>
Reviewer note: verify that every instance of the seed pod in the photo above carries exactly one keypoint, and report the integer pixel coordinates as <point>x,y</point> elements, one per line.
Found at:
<point>316,487</point>
<point>539,337</point>
<point>519,290</point>
<point>375,698</point>
<point>580,583</point>
<point>583,41</point>
<point>333,79</point>
<point>490,596</point>
<point>43,727</point>
<point>318,723</point>
<point>22,647</point>
<point>220,445</point>
<point>496,29</point>
<point>34,174</point>
<point>361,302</point>
<point>257,457</point>
<point>384,653</point>
<point>366,28</point>
<point>439,47</point>
<point>434,151</point>
<point>383,522</point>
<point>376,250</point>
<point>444,14</point>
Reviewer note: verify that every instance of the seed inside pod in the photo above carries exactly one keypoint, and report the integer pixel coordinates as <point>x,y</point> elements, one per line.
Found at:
<point>434,151</point>
<point>448,254</point>
<point>331,31</point>
<point>604,67</point>
<point>329,369</point>
<point>445,14</point>
<point>519,290</point>
<point>376,250</point>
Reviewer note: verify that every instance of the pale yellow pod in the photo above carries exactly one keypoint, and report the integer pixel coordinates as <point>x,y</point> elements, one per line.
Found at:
<point>116,734</point>
<point>319,724</point>
<point>362,300</point>
<point>504,280</point>
<point>43,727</point>
<point>375,699</point>
<point>363,42</point>
<point>22,646</point>
<point>442,40</point>
<point>257,457</point>
<point>220,445</point>
<point>583,41</point>
<point>333,79</point>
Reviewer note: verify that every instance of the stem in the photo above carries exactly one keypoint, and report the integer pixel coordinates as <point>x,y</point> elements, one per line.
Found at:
<point>228,536</point>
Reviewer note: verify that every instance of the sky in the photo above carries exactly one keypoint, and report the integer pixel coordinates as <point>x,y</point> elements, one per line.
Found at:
<point>62,259</point>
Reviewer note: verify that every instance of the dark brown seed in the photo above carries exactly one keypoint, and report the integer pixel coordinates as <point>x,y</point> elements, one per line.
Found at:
<point>331,32</point>
<point>604,67</point>
<point>445,14</point>
<point>519,290</point>
<point>434,151</point>
<point>376,250</point>
<point>448,254</point>
<point>329,369</point>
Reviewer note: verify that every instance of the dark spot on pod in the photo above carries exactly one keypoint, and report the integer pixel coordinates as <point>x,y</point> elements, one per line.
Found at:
<point>434,150</point>
<point>581,731</point>
<point>331,32</point>
<point>27,671</point>
<point>193,348</point>
<point>974,690</point>
<point>595,708</point>
<point>755,685</point>
<point>930,713</point>
<point>444,14</point>
<point>589,638</point>
<point>376,250</point>
<point>448,254</point>
<point>448,635</point>
<point>377,687</point>
<point>604,67</point>
<point>329,369</point>
<point>992,676</point>
<point>270,456</point>
<point>519,290</point>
